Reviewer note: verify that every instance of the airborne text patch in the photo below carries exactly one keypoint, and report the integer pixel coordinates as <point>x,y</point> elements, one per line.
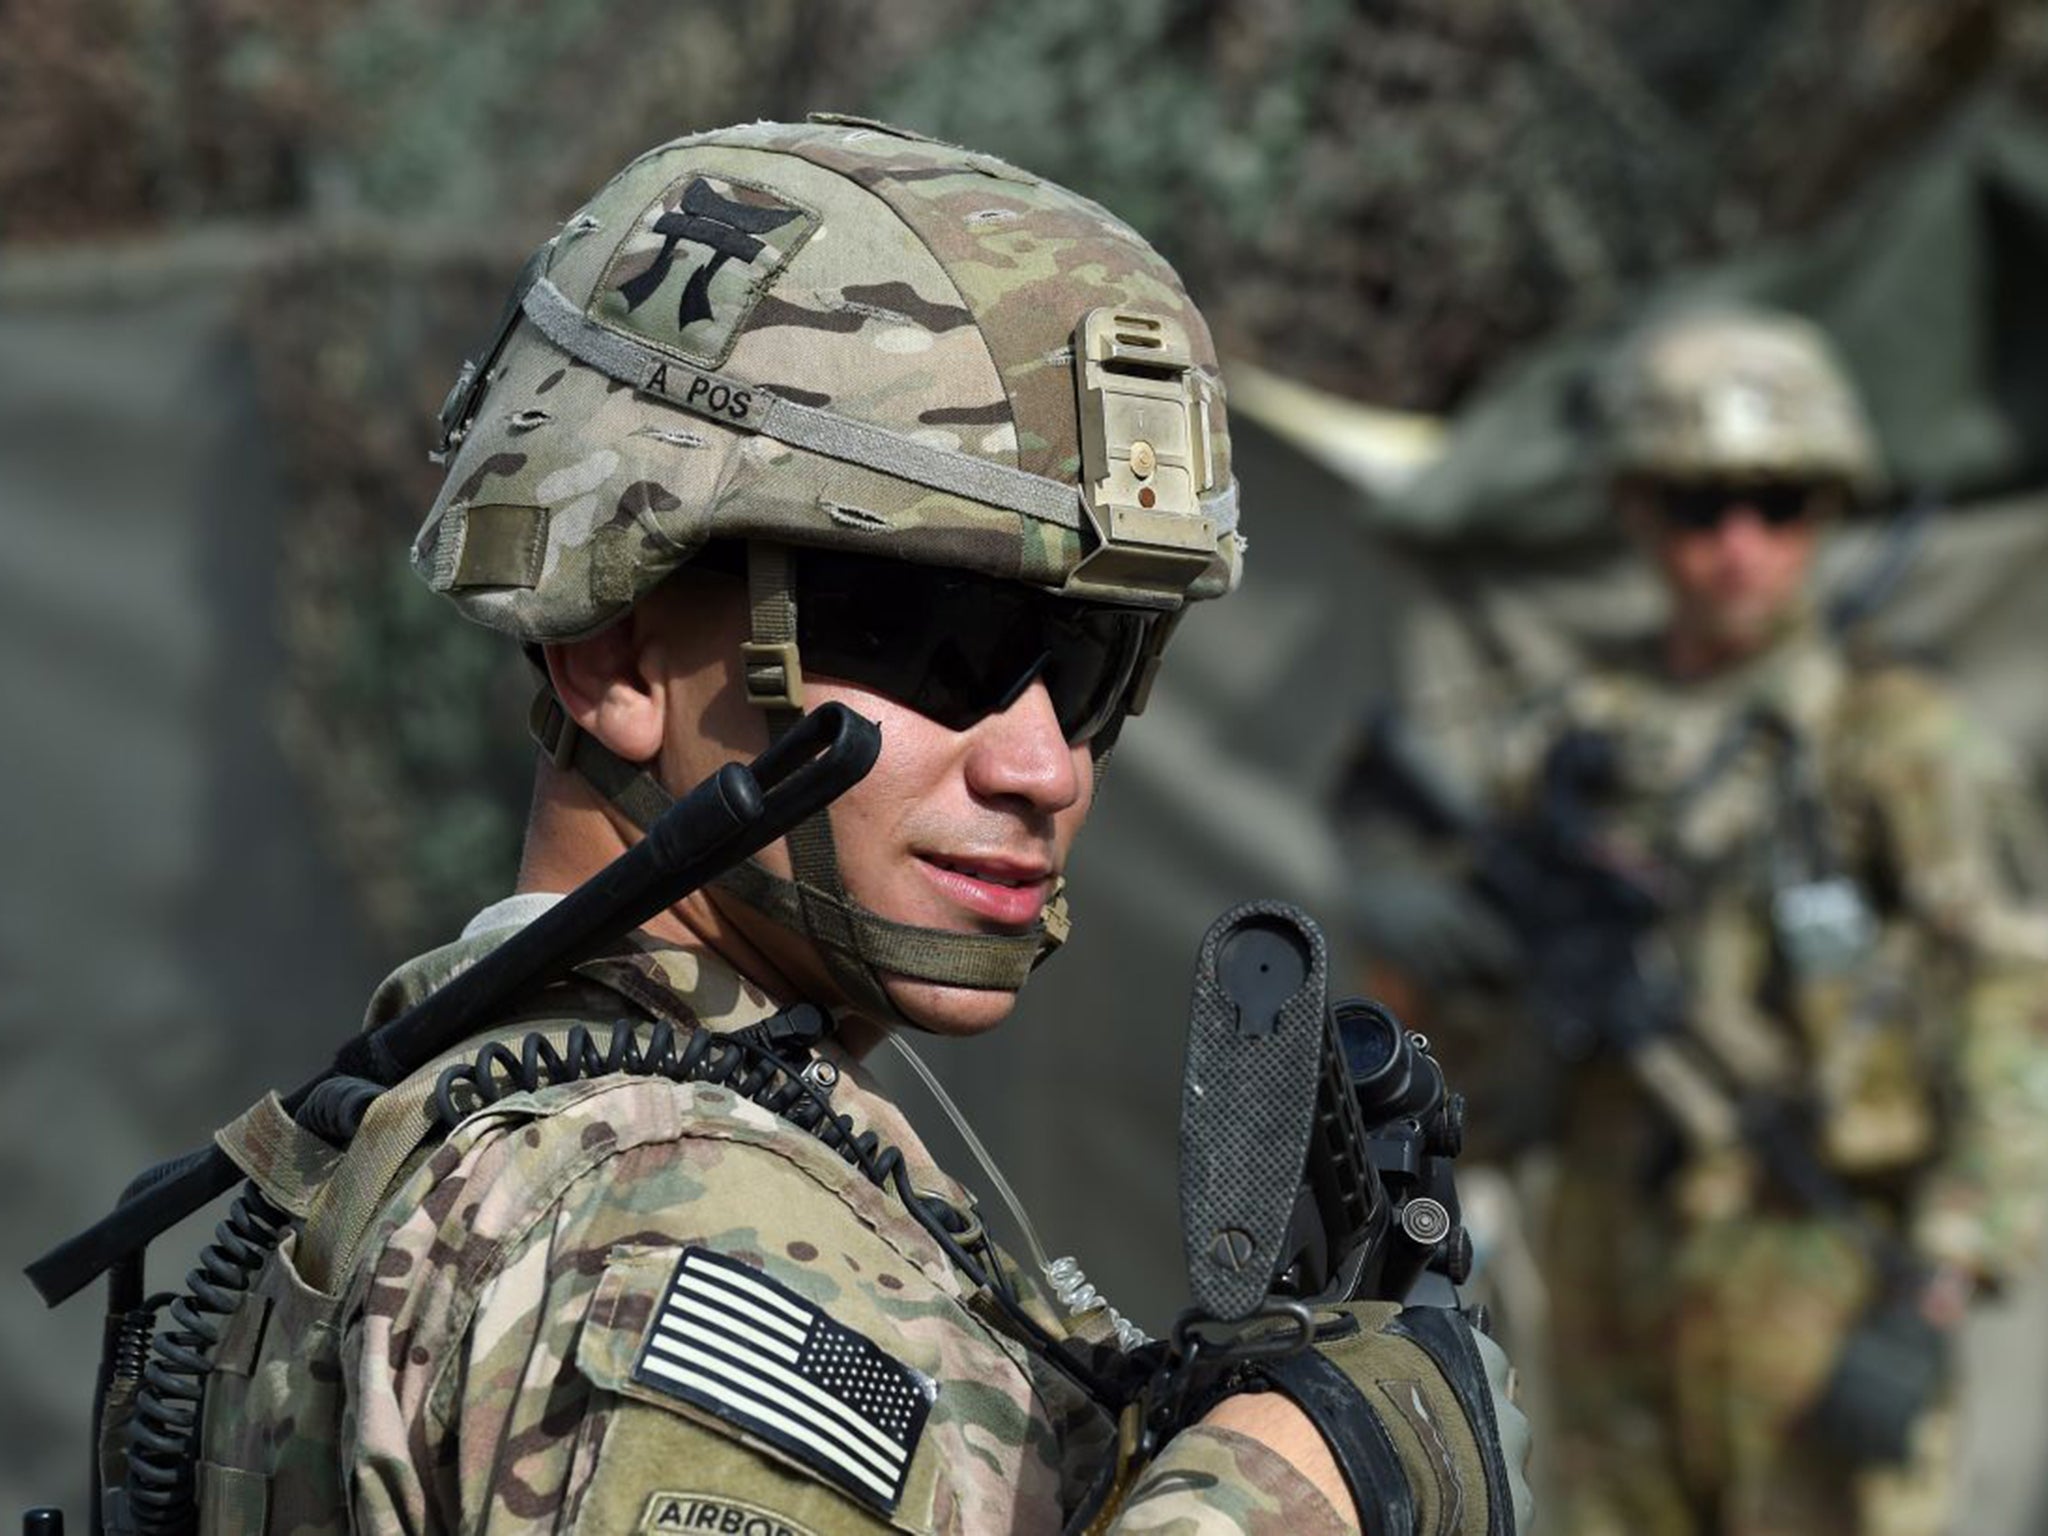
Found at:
<point>710,1512</point>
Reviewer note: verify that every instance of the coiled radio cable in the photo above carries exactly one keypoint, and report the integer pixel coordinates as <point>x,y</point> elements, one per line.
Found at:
<point>164,1432</point>
<point>767,1063</point>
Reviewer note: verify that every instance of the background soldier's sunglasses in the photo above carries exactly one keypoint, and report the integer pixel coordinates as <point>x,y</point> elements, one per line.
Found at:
<point>1700,506</point>
<point>957,647</point>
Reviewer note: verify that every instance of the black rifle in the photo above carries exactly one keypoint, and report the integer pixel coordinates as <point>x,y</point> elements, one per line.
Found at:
<point>729,817</point>
<point>1584,924</point>
<point>1316,1141</point>
<point>1315,1168</point>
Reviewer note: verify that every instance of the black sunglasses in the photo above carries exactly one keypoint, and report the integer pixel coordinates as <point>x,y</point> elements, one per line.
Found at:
<point>957,647</point>
<point>1700,506</point>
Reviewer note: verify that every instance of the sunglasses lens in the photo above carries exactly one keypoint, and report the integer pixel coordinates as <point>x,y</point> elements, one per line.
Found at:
<point>1700,507</point>
<point>1693,507</point>
<point>1780,505</point>
<point>957,648</point>
<point>1091,660</point>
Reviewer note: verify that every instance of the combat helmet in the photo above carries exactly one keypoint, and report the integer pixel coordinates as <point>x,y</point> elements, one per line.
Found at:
<point>833,336</point>
<point>1736,393</point>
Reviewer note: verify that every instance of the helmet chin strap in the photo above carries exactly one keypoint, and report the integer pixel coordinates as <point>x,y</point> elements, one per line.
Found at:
<point>859,946</point>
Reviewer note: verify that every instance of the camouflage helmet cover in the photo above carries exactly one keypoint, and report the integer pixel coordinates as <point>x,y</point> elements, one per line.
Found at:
<point>1726,392</point>
<point>709,346</point>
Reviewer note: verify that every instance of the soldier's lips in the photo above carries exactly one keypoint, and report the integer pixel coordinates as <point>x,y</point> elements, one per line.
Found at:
<point>1009,892</point>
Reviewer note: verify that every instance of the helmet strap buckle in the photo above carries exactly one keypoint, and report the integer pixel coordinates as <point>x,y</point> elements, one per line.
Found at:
<point>773,673</point>
<point>1057,921</point>
<point>769,664</point>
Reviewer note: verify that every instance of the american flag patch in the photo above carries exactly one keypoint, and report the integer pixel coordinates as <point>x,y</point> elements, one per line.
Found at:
<point>736,1344</point>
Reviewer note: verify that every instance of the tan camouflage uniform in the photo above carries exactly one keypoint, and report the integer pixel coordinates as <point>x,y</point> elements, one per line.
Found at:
<point>483,1336</point>
<point>492,1323</point>
<point>480,1340</point>
<point>1696,1319</point>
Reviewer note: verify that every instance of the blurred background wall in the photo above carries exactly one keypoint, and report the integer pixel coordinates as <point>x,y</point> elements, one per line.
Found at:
<point>243,245</point>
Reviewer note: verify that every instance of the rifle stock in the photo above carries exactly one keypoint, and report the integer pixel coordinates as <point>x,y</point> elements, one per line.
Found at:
<point>1315,1141</point>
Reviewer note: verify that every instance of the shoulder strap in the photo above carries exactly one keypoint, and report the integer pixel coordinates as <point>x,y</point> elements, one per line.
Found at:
<point>286,1161</point>
<point>398,1126</point>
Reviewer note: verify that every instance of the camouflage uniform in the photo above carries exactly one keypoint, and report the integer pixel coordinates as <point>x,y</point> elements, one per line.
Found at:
<point>489,1322</point>
<point>1698,1307</point>
<point>1696,1319</point>
<point>824,335</point>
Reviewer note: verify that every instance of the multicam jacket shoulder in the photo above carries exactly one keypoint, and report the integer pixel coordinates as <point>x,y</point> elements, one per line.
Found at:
<point>609,1306</point>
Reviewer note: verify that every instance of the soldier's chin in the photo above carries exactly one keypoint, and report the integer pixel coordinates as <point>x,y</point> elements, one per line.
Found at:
<point>939,1009</point>
<point>1745,625</point>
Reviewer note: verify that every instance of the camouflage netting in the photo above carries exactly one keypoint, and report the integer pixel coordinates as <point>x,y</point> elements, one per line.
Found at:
<point>1929,292</point>
<point>1386,204</point>
<point>1383,203</point>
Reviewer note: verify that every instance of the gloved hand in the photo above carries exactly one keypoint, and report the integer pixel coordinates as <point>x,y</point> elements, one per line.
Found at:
<point>1892,1368</point>
<point>1419,1411</point>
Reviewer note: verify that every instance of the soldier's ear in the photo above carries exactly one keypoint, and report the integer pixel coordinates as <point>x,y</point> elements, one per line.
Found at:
<point>607,684</point>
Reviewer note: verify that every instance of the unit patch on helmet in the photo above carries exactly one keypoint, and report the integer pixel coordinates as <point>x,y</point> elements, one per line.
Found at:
<point>691,270</point>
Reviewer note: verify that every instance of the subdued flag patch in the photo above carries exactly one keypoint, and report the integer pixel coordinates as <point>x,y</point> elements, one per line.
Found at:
<point>731,1341</point>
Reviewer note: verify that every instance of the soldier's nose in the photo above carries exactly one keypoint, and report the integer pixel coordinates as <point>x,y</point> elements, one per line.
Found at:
<point>1023,754</point>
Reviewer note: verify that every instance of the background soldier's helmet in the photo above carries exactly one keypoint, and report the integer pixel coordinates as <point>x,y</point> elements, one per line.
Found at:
<point>833,334</point>
<point>1731,393</point>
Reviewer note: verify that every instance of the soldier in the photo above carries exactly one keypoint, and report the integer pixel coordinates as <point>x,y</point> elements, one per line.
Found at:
<point>791,414</point>
<point>1801,1117</point>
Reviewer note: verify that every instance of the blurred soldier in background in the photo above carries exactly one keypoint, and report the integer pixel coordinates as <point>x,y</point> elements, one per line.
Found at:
<point>1737,939</point>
